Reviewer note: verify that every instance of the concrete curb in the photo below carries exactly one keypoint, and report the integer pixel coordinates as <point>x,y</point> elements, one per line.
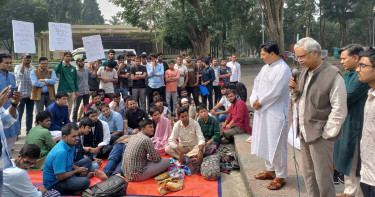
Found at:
<point>251,165</point>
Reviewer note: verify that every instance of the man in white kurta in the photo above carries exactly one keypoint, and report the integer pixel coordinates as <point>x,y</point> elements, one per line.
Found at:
<point>270,99</point>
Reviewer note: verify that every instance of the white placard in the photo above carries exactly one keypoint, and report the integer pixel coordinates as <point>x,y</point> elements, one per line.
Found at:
<point>93,47</point>
<point>60,37</point>
<point>23,37</point>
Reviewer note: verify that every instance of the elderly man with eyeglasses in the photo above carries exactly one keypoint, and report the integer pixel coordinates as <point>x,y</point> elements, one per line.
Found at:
<point>320,94</point>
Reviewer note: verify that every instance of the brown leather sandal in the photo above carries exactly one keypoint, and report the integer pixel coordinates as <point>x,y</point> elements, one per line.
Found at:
<point>276,184</point>
<point>264,176</point>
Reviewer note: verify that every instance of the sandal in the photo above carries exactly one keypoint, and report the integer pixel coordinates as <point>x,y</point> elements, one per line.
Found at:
<point>276,184</point>
<point>264,176</point>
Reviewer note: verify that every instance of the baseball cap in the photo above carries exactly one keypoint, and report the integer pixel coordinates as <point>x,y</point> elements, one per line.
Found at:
<point>26,55</point>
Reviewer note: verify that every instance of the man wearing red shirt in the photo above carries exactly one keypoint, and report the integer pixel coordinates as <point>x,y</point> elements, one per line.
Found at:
<point>238,120</point>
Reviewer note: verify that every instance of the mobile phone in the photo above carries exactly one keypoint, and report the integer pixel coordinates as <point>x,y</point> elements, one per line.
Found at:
<point>12,90</point>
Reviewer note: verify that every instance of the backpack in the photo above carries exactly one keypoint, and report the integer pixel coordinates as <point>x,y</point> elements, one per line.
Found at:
<point>242,91</point>
<point>113,186</point>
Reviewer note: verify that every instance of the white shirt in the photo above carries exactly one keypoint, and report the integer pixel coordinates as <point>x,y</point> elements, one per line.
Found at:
<point>236,71</point>
<point>119,108</point>
<point>339,110</point>
<point>225,102</point>
<point>18,183</point>
<point>106,133</point>
<point>108,87</point>
<point>187,136</point>
<point>368,141</point>
<point>216,69</point>
<point>183,72</point>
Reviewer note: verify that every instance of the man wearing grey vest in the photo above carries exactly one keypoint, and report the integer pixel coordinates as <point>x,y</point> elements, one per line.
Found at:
<point>320,94</point>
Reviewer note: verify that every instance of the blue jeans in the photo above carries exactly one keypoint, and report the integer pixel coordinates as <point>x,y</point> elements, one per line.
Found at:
<point>367,190</point>
<point>71,185</point>
<point>221,117</point>
<point>85,162</point>
<point>1,182</point>
<point>114,160</point>
<point>29,112</point>
<point>123,91</point>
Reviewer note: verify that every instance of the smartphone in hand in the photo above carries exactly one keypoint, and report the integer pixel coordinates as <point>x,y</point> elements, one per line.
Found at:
<point>12,90</point>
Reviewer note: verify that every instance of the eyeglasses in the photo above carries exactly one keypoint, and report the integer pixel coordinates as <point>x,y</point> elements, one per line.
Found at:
<point>27,163</point>
<point>300,57</point>
<point>361,65</point>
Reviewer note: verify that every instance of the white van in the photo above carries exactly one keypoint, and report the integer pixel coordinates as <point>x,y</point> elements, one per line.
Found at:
<point>80,52</point>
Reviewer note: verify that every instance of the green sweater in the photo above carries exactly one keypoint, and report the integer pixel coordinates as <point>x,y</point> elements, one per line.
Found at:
<point>42,137</point>
<point>68,81</point>
<point>211,129</point>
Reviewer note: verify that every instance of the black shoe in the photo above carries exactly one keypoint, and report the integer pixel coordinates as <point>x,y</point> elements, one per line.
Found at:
<point>341,177</point>
<point>336,177</point>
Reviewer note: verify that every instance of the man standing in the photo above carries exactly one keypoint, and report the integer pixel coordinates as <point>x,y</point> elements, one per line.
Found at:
<point>171,79</point>
<point>108,77</point>
<point>155,73</point>
<point>43,82</point>
<point>8,79</point>
<point>193,79</point>
<point>123,73</point>
<point>139,75</point>
<point>111,57</point>
<point>235,68</point>
<point>346,152</point>
<point>84,90</point>
<point>23,82</point>
<point>224,72</point>
<point>366,74</point>
<point>184,77</point>
<point>208,77</point>
<point>215,84</point>
<point>270,99</point>
<point>68,81</point>
<point>165,67</point>
<point>321,95</point>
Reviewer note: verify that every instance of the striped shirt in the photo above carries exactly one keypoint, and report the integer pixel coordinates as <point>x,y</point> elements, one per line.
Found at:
<point>138,152</point>
<point>23,80</point>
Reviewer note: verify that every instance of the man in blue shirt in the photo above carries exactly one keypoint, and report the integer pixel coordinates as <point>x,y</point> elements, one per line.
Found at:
<point>59,172</point>
<point>59,109</point>
<point>208,76</point>
<point>8,79</point>
<point>155,74</point>
<point>114,120</point>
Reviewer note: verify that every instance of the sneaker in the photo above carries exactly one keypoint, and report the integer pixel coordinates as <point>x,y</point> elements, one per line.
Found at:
<point>335,177</point>
<point>340,176</point>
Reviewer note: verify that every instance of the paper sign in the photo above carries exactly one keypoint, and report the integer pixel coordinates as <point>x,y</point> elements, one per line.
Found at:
<point>60,37</point>
<point>93,47</point>
<point>23,37</point>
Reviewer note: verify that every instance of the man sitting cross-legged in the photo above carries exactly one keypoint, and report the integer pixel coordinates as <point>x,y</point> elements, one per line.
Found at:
<point>133,115</point>
<point>98,139</point>
<point>140,160</point>
<point>16,180</point>
<point>41,136</point>
<point>189,135</point>
<point>163,130</point>
<point>210,128</point>
<point>59,172</point>
<point>59,110</point>
<point>114,120</point>
<point>83,156</point>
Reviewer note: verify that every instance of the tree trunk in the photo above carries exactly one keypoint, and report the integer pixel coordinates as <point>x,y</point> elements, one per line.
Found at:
<point>308,5</point>
<point>274,21</point>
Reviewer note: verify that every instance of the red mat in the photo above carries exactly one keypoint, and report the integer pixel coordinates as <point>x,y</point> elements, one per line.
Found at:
<point>194,185</point>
